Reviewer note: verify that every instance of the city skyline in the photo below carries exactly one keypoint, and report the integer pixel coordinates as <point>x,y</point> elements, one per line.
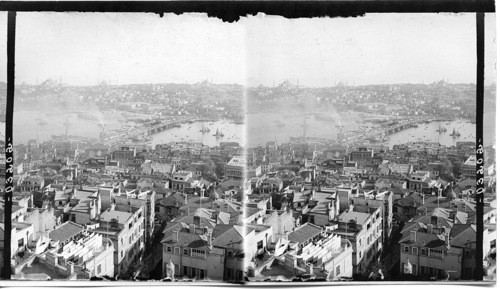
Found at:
<point>257,50</point>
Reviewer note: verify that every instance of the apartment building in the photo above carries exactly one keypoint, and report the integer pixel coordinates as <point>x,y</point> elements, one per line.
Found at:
<point>126,231</point>
<point>362,226</point>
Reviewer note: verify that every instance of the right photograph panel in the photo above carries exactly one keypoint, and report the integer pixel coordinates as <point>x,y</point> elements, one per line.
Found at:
<point>361,137</point>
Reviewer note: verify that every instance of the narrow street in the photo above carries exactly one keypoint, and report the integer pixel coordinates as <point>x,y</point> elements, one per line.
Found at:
<point>153,257</point>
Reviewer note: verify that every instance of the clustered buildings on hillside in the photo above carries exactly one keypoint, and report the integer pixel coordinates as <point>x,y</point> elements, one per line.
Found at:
<point>335,213</point>
<point>84,210</point>
<point>302,209</point>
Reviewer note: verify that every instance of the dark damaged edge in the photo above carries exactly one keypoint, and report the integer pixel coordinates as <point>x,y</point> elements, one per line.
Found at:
<point>231,11</point>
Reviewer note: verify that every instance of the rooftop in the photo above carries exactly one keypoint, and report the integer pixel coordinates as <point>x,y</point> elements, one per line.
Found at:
<point>359,217</point>
<point>303,233</point>
<point>120,216</point>
<point>237,161</point>
<point>65,231</point>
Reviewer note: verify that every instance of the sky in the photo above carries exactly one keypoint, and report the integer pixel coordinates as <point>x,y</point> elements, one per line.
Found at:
<point>87,48</point>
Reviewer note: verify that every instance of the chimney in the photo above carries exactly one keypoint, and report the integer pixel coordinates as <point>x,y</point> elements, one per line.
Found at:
<point>434,220</point>
<point>311,269</point>
<point>413,236</point>
<point>192,228</point>
<point>423,199</point>
<point>209,240</point>
<point>185,199</point>
<point>447,239</point>
<point>430,228</point>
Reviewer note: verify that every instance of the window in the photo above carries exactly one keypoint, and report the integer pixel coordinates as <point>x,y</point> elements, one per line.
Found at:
<point>186,252</point>
<point>130,225</point>
<point>337,271</point>
<point>260,245</point>
<point>198,253</point>
<point>229,254</point>
<point>435,253</point>
<point>229,273</point>
<point>406,249</point>
<point>202,273</point>
<point>414,250</point>
<point>20,242</point>
<point>169,249</point>
<point>177,269</point>
<point>424,270</point>
<point>98,269</point>
<point>184,270</point>
<point>177,251</point>
<point>423,252</point>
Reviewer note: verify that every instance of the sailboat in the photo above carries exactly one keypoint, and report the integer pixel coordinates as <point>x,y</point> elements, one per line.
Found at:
<point>441,129</point>
<point>455,133</point>
<point>218,133</point>
<point>204,129</point>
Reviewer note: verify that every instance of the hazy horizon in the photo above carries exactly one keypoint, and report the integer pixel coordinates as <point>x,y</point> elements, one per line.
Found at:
<point>125,48</point>
<point>249,86</point>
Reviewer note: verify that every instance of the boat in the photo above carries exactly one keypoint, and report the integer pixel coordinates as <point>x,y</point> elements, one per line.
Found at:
<point>455,133</point>
<point>204,129</point>
<point>218,133</point>
<point>441,129</point>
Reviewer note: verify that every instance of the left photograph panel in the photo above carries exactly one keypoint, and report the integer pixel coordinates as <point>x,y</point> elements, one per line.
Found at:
<point>127,132</point>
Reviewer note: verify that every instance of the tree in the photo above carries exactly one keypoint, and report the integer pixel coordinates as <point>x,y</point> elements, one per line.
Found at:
<point>456,169</point>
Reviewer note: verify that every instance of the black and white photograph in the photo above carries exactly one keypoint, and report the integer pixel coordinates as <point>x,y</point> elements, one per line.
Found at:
<point>186,148</point>
<point>361,139</point>
<point>126,127</point>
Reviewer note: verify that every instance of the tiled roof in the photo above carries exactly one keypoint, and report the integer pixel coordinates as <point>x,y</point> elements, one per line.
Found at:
<point>65,231</point>
<point>465,238</point>
<point>172,199</point>
<point>304,233</point>
<point>425,239</point>
<point>188,240</point>
<point>228,236</point>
